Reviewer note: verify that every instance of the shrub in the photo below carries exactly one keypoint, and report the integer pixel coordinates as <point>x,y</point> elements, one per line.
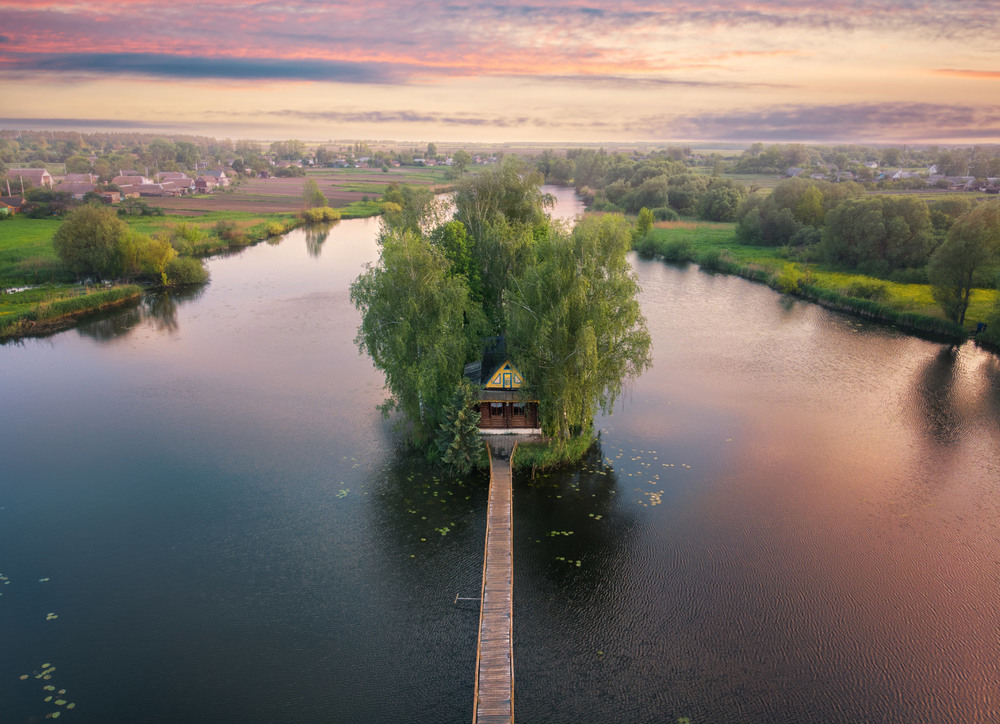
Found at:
<point>646,246</point>
<point>870,289</point>
<point>230,233</point>
<point>787,282</point>
<point>274,228</point>
<point>185,236</point>
<point>320,214</point>
<point>665,213</point>
<point>185,270</point>
<point>713,259</point>
<point>677,250</point>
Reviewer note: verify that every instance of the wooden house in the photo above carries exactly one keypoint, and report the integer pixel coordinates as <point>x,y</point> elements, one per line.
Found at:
<point>501,405</point>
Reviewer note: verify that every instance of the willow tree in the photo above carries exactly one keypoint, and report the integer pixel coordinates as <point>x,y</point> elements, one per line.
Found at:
<point>414,327</point>
<point>574,325</point>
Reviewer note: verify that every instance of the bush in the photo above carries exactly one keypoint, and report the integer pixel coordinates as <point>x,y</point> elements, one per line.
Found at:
<point>787,282</point>
<point>137,207</point>
<point>678,250</point>
<point>713,260</point>
<point>185,270</point>
<point>231,233</point>
<point>320,214</point>
<point>274,228</point>
<point>184,237</point>
<point>870,289</point>
<point>646,246</point>
<point>665,213</point>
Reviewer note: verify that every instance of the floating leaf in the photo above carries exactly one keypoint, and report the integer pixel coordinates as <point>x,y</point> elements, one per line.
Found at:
<point>70,705</point>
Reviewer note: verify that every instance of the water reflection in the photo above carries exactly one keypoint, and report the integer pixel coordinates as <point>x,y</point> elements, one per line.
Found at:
<point>933,397</point>
<point>156,311</point>
<point>316,235</point>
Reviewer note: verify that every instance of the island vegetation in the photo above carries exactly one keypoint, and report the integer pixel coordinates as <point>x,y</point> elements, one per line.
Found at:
<point>564,299</point>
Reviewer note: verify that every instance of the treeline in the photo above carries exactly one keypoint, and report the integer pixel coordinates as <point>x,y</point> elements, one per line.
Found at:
<point>952,243</point>
<point>864,162</point>
<point>93,242</point>
<point>665,182</point>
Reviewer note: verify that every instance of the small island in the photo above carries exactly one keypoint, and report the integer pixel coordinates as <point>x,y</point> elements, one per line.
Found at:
<point>562,300</point>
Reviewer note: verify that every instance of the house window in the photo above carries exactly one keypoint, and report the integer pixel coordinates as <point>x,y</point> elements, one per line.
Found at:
<point>496,409</point>
<point>518,409</point>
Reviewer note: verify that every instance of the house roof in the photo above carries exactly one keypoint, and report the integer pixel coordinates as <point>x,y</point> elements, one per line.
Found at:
<point>37,176</point>
<point>84,178</point>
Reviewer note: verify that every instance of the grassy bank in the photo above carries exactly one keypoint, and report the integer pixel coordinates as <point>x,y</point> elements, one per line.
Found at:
<point>911,307</point>
<point>53,298</point>
<point>553,453</point>
<point>50,308</point>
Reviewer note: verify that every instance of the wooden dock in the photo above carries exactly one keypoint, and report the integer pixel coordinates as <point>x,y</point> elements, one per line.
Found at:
<point>495,654</point>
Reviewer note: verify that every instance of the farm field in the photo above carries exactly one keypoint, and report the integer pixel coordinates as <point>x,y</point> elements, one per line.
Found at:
<point>342,187</point>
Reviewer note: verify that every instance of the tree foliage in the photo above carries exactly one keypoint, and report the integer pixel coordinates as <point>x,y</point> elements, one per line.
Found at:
<point>458,440</point>
<point>574,324</point>
<point>565,300</point>
<point>968,259</point>
<point>312,197</point>
<point>878,234</point>
<point>413,327</point>
<point>88,241</point>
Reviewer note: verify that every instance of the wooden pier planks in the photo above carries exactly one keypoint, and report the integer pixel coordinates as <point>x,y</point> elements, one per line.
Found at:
<point>495,656</point>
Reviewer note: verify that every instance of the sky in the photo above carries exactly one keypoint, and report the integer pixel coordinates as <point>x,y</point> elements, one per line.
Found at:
<point>596,71</point>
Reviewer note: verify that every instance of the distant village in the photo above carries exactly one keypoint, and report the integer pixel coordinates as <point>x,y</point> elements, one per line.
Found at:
<point>206,178</point>
<point>929,177</point>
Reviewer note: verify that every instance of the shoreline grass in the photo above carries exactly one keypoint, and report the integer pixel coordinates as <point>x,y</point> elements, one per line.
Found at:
<point>910,307</point>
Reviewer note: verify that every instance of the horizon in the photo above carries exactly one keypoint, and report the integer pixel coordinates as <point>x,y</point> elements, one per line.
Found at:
<point>887,72</point>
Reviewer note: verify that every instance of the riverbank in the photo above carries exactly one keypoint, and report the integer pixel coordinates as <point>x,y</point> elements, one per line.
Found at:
<point>58,308</point>
<point>38,296</point>
<point>909,307</point>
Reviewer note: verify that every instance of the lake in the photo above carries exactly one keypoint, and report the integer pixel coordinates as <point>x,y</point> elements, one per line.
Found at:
<point>792,516</point>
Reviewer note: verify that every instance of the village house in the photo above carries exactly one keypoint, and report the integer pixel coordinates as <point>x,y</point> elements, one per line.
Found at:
<point>36,177</point>
<point>79,178</point>
<point>221,179</point>
<point>501,406</point>
<point>10,205</point>
<point>205,184</point>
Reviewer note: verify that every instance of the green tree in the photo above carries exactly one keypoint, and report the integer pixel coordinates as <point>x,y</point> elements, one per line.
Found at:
<point>644,224</point>
<point>77,164</point>
<point>460,160</point>
<point>413,208</point>
<point>413,327</point>
<point>721,202</point>
<point>966,260</point>
<point>88,241</point>
<point>574,324</point>
<point>312,197</point>
<point>458,440</point>
<point>139,255</point>
<point>432,150</point>
<point>878,234</point>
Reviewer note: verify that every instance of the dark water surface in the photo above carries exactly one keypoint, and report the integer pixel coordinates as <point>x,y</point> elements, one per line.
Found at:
<point>792,517</point>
